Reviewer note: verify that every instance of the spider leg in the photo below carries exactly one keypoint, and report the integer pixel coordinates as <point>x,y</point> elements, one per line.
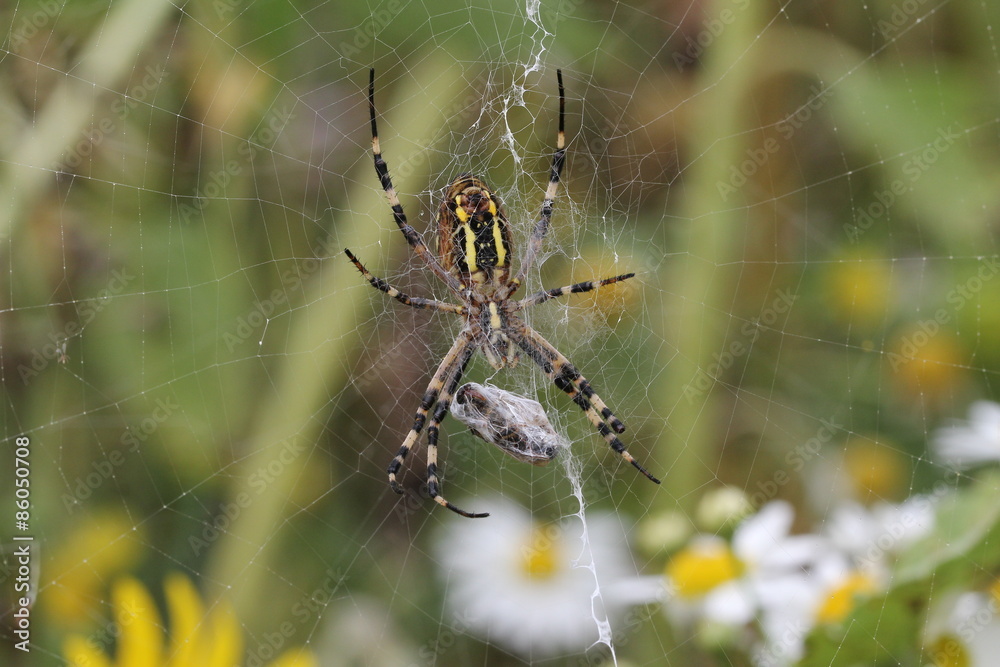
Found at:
<point>452,363</point>
<point>542,226</point>
<point>413,237</point>
<point>414,301</point>
<point>590,285</point>
<point>440,412</point>
<point>565,376</point>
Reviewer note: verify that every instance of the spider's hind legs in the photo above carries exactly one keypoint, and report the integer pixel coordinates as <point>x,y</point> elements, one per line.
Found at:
<point>639,467</point>
<point>434,491</point>
<point>394,467</point>
<point>457,510</point>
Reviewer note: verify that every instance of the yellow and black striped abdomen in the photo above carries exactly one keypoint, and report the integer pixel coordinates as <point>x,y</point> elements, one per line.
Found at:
<point>474,236</point>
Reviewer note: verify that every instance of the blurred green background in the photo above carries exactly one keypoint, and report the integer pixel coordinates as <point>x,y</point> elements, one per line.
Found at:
<point>807,190</point>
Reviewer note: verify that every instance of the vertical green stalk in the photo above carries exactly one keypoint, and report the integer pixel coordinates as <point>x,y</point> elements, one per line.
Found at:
<point>246,558</point>
<point>695,304</point>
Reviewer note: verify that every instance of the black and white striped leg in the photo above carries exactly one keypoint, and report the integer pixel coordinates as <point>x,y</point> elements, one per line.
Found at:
<point>588,286</point>
<point>433,430</point>
<point>565,376</point>
<point>414,301</point>
<point>452,362</point>
<point>413,237</point>
<point>555,173</point>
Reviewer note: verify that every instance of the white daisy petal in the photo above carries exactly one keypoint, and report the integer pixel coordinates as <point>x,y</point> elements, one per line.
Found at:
<point>731,603</point>
<point>974,442</point>
<point>964,628</point>
<point>530,587</point>
<point>758,535</point>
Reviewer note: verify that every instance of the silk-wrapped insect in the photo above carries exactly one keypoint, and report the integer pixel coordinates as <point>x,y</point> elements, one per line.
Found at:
<point>515,424</point>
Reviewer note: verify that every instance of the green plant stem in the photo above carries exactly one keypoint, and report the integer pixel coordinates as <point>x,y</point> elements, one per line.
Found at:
<point>315,367</point>
<point>699,295</point>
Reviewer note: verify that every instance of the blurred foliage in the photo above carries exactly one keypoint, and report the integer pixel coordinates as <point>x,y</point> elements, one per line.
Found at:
<point>231,390</point>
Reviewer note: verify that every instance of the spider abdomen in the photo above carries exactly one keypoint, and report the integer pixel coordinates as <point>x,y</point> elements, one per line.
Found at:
<point>474,235</point>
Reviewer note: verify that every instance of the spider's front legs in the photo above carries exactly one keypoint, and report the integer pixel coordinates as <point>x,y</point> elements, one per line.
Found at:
<point>413,237</point>
<point>545,216</point>
<point>587,286</point>
<point>565,376</point>
<point>405,299</point>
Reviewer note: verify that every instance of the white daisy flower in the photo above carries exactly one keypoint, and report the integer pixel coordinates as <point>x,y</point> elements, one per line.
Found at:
<point>785,618</point>
<point>963,629</point>
<point>730,584</point>
<point>536,588</point>
<point>763,576</point>
<point>978,441</point>
<point>840,585</point>
<point>824,595</point>
<point>874,536</point>
<point>855,563</point>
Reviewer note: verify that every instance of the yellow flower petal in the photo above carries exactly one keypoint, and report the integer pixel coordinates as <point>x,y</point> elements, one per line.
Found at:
<point>80,653</point>
<point>199,638</point>
<point>225,646</point>
<point>187,617</point>
<point>296,658</point>
<point>141,641</point>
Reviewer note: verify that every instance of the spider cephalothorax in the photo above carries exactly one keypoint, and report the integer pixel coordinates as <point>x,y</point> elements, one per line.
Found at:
<point>474,261</point>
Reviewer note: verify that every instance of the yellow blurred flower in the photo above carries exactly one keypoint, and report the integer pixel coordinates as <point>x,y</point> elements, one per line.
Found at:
<point>95,549</point>
<point>860,288</point>
<point>842,597</point>
<point>610,302</point>
<point>926,360</point>
<point>209,638</point>
<point>877,470</point>
<point>703,566</point>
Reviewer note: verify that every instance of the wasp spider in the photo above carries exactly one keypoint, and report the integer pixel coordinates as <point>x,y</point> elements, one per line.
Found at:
<point>474,261</point>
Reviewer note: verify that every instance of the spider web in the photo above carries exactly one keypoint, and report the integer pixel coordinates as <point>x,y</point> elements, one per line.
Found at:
<point>806,192</point>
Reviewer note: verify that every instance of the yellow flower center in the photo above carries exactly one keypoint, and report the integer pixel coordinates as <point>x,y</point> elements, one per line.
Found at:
<point>860,289</point>
<point>541,556</point>
<point>948,651</point>
<point>875,468</point>
<point>927,360</point>
<point>698,568</point>
<point>994,592</point>
<point>843,597</point>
